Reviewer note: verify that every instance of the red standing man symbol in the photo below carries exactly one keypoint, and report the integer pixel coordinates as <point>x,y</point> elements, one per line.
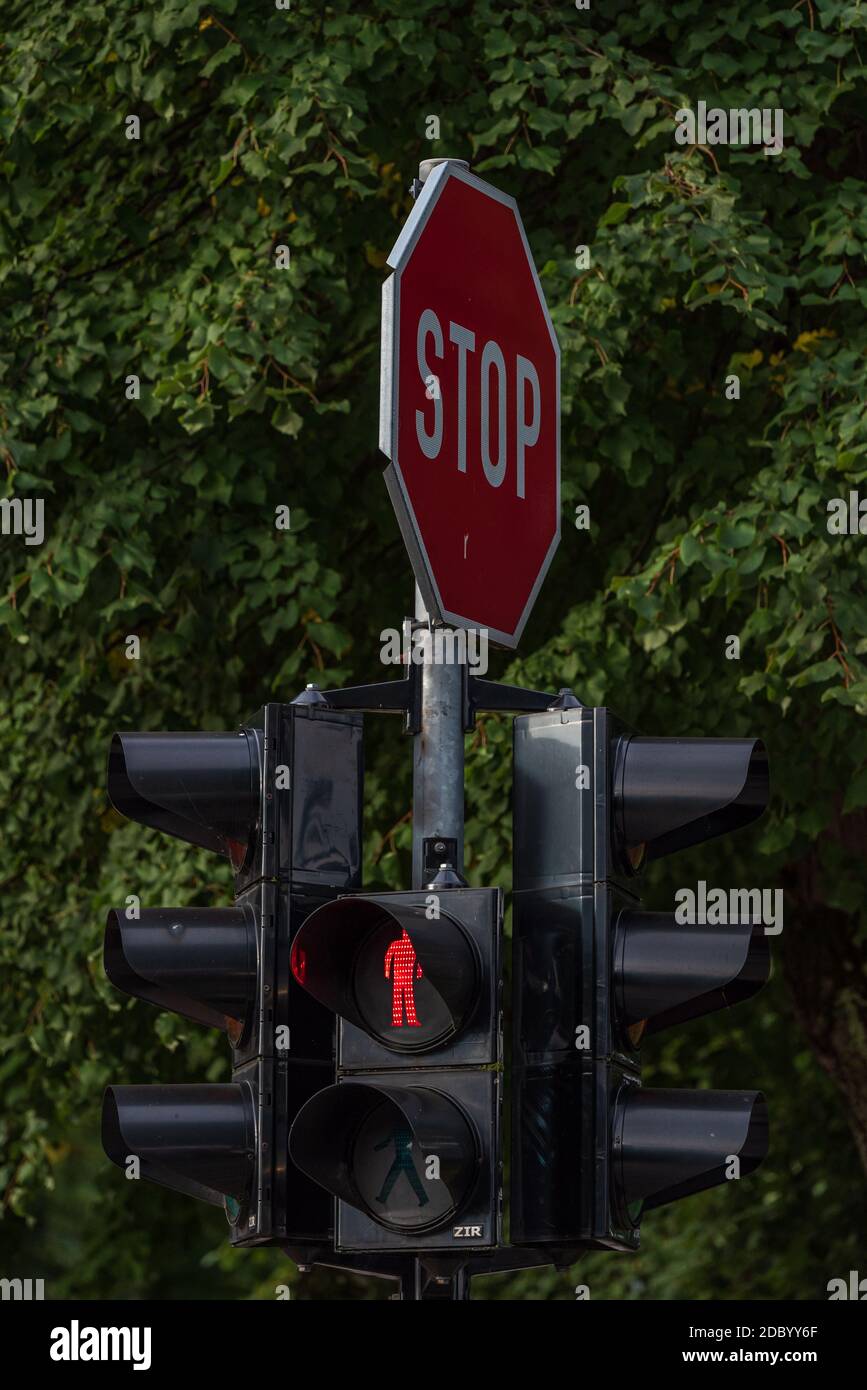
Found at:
<point>401,968</point>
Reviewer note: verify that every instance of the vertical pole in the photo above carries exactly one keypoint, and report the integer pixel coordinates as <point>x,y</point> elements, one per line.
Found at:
<point>438,815</point>
<point>438,761</point>
<point>438,807</point>
<point>438,752</point>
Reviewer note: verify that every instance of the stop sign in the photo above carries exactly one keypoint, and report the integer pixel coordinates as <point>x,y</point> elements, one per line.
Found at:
<point>470,405</point>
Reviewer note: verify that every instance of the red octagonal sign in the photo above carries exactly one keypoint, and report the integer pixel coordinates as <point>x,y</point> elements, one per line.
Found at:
<point>470,405</point>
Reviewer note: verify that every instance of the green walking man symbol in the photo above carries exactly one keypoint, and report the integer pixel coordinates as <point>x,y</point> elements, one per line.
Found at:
<point>401,1137</point>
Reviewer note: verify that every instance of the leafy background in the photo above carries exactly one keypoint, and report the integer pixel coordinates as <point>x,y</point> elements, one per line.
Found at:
<point>303,127</point>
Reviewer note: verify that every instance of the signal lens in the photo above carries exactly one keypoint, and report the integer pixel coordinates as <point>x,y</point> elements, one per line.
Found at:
<point>400,1185</point>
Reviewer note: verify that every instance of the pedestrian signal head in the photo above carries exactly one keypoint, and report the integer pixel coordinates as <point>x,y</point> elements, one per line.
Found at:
<point>408,974</point>
<point>406,1156</point>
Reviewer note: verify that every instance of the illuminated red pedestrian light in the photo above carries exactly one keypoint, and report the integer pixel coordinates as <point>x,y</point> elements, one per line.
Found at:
<point>407,974</point>
<point>402,969</point>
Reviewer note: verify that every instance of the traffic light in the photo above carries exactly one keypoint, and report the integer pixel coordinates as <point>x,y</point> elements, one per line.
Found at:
<point>408,1138</point>
<point>281,799</point>
<point>592,1149</point>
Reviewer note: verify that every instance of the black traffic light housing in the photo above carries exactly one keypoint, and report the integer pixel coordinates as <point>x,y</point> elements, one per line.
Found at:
<point>195,1139</point>
<point>281,799</point>
<point>593,973</point>
<point>408,1138</point>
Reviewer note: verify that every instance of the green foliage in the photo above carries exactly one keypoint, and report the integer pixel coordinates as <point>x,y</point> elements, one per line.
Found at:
<point>265,128</point>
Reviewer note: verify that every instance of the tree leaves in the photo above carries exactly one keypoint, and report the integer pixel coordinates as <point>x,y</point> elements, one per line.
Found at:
<point>259,389</point>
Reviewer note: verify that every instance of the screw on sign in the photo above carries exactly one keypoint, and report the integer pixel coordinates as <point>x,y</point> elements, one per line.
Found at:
<point>470,405</point>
